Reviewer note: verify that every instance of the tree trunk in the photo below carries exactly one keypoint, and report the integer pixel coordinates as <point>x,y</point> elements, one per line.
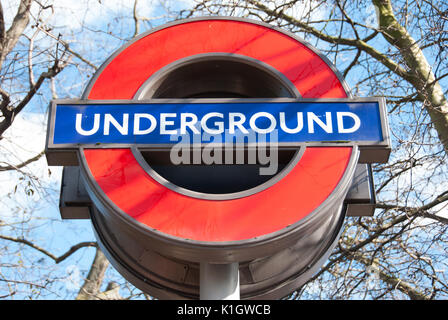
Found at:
<point>8,39</point>
<point>90,290</point>
<point>423,79</point>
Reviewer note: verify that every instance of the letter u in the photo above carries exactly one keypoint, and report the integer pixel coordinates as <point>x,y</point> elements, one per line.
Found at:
<point>80,130</point>
<point>296,129</point>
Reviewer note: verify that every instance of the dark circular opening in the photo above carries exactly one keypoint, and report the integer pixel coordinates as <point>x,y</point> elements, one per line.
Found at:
<point>217,77</point>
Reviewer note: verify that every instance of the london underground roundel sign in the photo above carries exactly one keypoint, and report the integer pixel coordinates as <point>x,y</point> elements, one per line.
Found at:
<point>158,131</point>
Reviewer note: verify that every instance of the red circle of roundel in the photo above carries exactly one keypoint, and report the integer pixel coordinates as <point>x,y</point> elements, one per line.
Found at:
<point>125,183</point>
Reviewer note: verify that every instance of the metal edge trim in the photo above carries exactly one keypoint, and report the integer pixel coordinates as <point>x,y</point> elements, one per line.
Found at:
<point>278,236</point>
<point>224,196</point>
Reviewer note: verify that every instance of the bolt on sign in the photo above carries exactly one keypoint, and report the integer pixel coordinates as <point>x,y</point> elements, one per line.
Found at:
<point>220,141</point>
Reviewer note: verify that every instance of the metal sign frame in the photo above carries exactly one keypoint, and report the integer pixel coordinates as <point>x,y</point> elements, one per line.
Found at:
<point>371,151</point>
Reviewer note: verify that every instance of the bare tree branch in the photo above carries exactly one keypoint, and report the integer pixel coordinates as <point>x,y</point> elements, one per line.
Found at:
<point>23,164</point>
<point>358,43</point>
<point>394,282</point>
<point>67,47</point>
<point>47,253</point>
<point>9,112</point>
<point>136,19</point>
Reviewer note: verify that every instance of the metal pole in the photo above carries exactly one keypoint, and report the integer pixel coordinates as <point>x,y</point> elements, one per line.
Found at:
<point>219,281</point>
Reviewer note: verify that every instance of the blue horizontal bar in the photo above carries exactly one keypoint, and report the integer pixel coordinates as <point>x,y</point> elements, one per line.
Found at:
<point>168,123</point>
